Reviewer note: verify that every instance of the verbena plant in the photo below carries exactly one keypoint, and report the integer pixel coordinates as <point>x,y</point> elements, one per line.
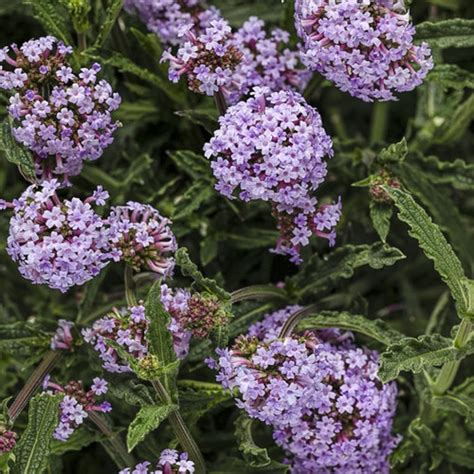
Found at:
<point>153,153</point>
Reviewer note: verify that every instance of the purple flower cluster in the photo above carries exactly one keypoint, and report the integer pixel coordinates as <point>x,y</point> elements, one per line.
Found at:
<point>141,237</point>
<point>266,61</point>
<point>54,242</point>
<point>365,47</point>
<point>319,393</point>
<point>170,462</point>
<point>76,404</point>
<point>168,19</point>
<point>63,339</point>
<point>7,440</point>
<point>273,147</point>
<point>63,118</point>
<point>208,59</point>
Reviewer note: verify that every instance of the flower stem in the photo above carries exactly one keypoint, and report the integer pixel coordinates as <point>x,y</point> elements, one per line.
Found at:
<point>181,431</point>
<point>32,384</point>
<point>258,292</point>
<point>221,103</point>
<point>130,287</point>
<point>114,445</point>
<point>81,41</point>
<point>294,319</point>
<point>379,123</point>
<point>449,370</point>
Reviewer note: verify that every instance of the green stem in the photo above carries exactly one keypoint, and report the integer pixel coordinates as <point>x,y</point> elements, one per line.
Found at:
<point>449,370</point>
<point>294,319</point>
<point>81,41</point>
<point>221,103</point>
<point>180,429</point>
<point>378,127</point>
<point>258,292</point>
<point>32,384</point>
<point>114,445</point>
<point>130,287</point>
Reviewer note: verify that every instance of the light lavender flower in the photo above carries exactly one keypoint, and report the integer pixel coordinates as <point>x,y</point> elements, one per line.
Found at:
<point>63,339</point>
<point>320,394</point>
<point>142,238</point>
<point>168,19</point>
<point>57,243</point>
<point>62,117</point>
<point>365,47</point>
<point>76,404</point>
<point>273,147</point>
<point>170,462</point>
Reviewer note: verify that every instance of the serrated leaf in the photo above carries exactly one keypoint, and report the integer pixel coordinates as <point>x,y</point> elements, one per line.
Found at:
<point>124,64</point>
<point>15,153</point>
<point>147,420</point>
<point>321,274</point>
<point>380,214</point>
<point>53,18</point>
<point>414,354</point>
<point>194,165</point>
<point>375,329</point>
<point>80,439</point>
<point>131,392</point>
<point>188,268</point>
<point>22,339</point>
<point>34,447</point>
<point>254,455</point>
<point>457,403</point>
<point>457,123</point>
<point>451,75</point>
<point>432,242</point>
<point>208,249</point>
<point>195,196</point>
<point>114,8</point>
<point>160,341</point>
<point>453,33</point>
<point>394,153</point>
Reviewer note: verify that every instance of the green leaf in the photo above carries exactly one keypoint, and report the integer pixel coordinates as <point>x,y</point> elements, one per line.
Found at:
<point>53,18</point>
<point>380,214</point>
<point>414,354</point>
<point>250,239</point>
<point>451,75</point>
<point>457,403</point>
<point>394,153</point>
<point>208,249</point>
<point>253,454</point>
<point>113,10</point>
<point>124,64</point>
<point>15,153</point>
<point>195,196</point>
<point>456,124</point>
<point>80,439</point>
<point>34,447</point>
<point>23,339</point>
<point>321,274</point>
<point>194,165</point>
<point>160,341</point>
<point>376,329</point>
<point>188,268</point>
<point>432,242</point>
<point>454,33</point>
<point>206,119</point>
<point>458,173</point>
<point>147,420</point>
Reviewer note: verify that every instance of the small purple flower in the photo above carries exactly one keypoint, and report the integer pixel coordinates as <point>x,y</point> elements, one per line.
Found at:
<point>142,238</point>
<point>70,124</point>
<point>62,339</point>
<point>7,440</point>
<point>99,386</point>
<point>170,461</point>
<point>365,48</point>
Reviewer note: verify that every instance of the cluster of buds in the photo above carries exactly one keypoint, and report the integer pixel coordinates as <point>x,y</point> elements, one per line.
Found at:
<point>382,179</point>
<point>54,242</point>
<point>7,440</point>
<point>76,404</point>
<point>63,118</point>
<point>209,60</point>
<point>63,339</point>
<point>141,237</point>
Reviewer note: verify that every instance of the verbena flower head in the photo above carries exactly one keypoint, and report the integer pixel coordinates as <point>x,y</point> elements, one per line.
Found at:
<point>266,61</point>
<point>319,393</point>
<point>169,18</point>
<point>273,147</point>
<point>142,238</point>
<point>57,243</point>
<point>364,46</point>
<point>76,404</point>
<point>170,462</point>
<point>208,59</point>
<point>62,117</point>
<point>63,339</point>
<point>7,440</point>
